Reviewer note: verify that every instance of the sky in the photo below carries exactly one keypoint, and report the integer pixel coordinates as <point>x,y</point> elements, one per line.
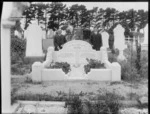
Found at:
<point>120,6</point>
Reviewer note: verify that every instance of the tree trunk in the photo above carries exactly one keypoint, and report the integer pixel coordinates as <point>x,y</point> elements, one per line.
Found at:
<point>138,58</point>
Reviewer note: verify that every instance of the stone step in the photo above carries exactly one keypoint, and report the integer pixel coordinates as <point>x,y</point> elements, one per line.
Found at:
<point>34,107</point>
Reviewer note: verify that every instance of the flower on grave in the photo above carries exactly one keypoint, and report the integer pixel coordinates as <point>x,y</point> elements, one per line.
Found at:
<point>60,65</point>
<point>93,64</point>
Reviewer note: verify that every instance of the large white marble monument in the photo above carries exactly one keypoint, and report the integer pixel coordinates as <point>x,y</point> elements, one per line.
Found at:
<point>34,36</point>
<point>119,41</point>
<point>145,42</point>
<point>75,53</point>
<point>105,38</point>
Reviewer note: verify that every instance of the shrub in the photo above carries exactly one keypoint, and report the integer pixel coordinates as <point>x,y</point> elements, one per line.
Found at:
<point>105,104</point>
<point>20,68</point>
<point>57,65</point>
<point>18,47</point>
<point>95,64</point>
<point>75,105</point>
<point>28,79</point>
<point>13,95</point>
<point>144,64</point>
<point>128,73</point>
<point>112,57</point>
<point>132,73</point>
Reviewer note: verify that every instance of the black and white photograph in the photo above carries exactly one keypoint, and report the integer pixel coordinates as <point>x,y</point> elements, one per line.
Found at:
<point>74,57</point>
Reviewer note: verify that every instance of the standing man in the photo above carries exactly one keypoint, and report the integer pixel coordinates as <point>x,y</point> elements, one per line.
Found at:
<point>96,39</point>
<point>59,40</point>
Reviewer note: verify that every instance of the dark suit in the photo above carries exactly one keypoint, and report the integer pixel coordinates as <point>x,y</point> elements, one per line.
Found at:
<point>96,41</point>
<point>59,40</point>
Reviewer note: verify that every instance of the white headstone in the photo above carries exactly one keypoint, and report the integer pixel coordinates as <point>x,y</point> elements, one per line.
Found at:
<point>50,33</point>
<point>146,35</point>
<point>63,32</point>
<point>119,40</point>
<point>34,41</point>
<point>145,42</point>
<point>105,38</point>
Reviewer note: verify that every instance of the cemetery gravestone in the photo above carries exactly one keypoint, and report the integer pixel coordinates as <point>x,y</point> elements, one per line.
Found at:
<point>105,38</point>
<point>49,40</point>
<point>50,34</point>
<point>119,42</point>
<point>145,43</point>
<point>34,41</point>
<point>75,53</point>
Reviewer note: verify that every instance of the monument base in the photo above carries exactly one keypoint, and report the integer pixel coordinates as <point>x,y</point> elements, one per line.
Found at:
<point>34,59</point>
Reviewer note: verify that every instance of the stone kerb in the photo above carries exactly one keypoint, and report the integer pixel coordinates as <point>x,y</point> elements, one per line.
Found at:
<point>116,71</point>
<point>37,72</point>
<point>115,67</point>
<point>49,57</point>
<point>100,75</point>
<point>53,74</point>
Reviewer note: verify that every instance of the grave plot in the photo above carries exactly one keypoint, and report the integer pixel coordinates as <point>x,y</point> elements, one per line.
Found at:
<point>74,57</point>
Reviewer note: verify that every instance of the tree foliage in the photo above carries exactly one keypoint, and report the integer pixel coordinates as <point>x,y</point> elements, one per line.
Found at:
<point>58,13</point>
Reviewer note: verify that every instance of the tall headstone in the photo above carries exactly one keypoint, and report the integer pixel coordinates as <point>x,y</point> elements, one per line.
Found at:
<point>34,41</point>
<point>119,41</point>
<point>105,38</point>
<point>145,42</point>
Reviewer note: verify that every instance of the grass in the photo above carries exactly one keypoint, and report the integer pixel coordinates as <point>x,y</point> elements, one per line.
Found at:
<point>79,87</point>
<point>104,101</point>
<point>109,105</point>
